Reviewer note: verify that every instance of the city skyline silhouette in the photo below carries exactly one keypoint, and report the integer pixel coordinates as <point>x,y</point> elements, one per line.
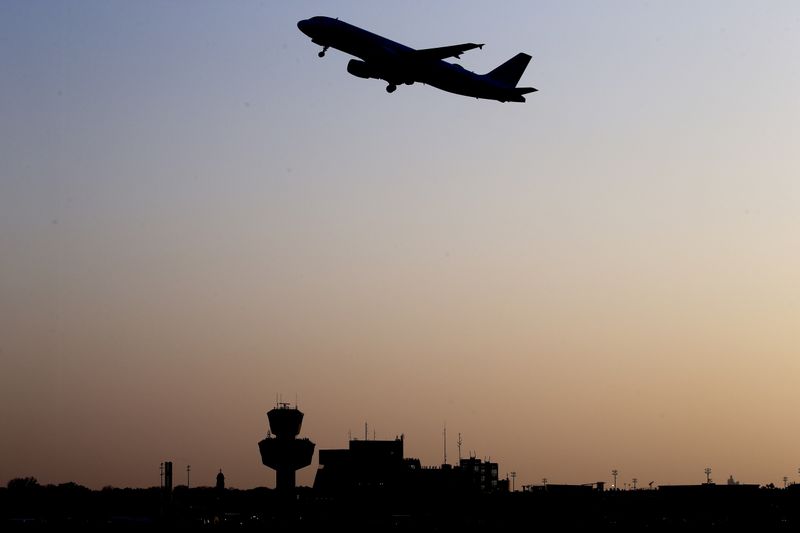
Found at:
<point>373,484</point>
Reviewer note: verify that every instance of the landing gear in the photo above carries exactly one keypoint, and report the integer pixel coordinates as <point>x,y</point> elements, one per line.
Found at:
<point>324,49</point>
<point>391,88</point>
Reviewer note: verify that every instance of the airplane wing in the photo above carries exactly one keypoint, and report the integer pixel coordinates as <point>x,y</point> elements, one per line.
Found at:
<point>445,51</point>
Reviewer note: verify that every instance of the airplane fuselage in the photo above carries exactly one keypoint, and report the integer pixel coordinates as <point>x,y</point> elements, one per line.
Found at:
<point>399,64</point>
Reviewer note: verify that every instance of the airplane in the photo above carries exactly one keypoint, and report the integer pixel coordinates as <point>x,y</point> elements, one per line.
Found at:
<point>398,64</point>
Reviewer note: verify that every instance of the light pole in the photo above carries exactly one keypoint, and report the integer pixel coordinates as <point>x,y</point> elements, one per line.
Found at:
<point>635,480</point>
<point>614,473</point>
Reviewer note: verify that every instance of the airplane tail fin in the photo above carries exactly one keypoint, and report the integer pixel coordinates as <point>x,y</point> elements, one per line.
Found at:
<point>511,71</point>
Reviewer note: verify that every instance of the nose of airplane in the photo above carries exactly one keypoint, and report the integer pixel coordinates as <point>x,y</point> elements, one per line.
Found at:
<point>303,26</point>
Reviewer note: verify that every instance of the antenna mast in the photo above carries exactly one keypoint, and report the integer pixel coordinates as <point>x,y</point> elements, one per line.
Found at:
<point>459,448</point>
<point>444,436</point>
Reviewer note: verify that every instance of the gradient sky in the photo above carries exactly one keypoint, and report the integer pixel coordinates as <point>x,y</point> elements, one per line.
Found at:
<point>197,214</point>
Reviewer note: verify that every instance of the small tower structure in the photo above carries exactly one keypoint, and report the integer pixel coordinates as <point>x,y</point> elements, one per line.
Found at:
<point>281,450</point>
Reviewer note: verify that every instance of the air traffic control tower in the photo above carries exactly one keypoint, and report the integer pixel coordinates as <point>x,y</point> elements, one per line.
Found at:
<point>281,450</point>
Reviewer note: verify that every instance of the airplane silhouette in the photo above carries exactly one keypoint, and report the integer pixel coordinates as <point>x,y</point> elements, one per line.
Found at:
<point>398,64</point>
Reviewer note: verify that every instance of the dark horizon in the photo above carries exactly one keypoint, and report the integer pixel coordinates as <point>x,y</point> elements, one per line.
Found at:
<point>285,420</point>
<point>23,506</point>
<point>374,484</point>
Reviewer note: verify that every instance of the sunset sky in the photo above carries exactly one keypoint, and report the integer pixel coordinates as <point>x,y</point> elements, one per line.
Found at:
<point>198,214</point>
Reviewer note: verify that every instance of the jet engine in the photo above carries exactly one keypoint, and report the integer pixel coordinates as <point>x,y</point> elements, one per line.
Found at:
<point>361,69</point>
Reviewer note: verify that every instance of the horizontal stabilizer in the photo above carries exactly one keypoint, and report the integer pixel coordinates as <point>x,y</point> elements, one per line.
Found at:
<point>511,71</point>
